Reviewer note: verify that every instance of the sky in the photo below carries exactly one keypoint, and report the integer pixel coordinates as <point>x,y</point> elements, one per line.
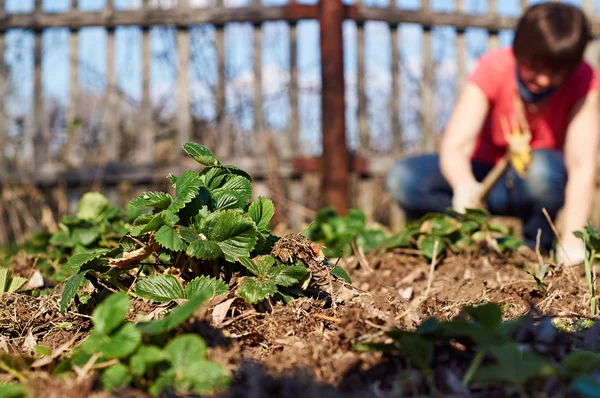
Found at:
<point>238,43</point>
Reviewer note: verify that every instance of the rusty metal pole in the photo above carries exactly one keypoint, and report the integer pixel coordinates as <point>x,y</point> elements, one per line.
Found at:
<point>335,161</point>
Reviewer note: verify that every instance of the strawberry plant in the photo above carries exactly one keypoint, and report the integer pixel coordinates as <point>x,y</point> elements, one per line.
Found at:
<point>136,354</point>
<point>210,228</point>
<point>456,232</point>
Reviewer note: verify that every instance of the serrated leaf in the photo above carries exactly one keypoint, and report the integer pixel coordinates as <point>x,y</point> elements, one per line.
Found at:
<point>79,260</point>
<point>255,291</point>
<point>204,250</point>
<point>168,238</point>
<point>236,170</point>
<point>217,287</point>
<point>427,244</point>
<point>235,233</point>
<point>213,177</point>
<point>178,315</point>
<point>62,239</point>
<point>226,201</point>
<point>111,312</point>
<point>160,288</point>
<point>115,377</point>
<point>261,211</point>
<point>86,236</point>
<point>489,315</point>
<point>189,234</point>
<point>186,189</point>
<point>264,264</point>
<point>249,265</point>
<point>236,187</point>
<point>70,290</point>
<point>189,370</point>
<point>158,200</point>
<point>146,356</point>
<point>119,344</point>
<point>91,206</point>
<point>201,154</point>
<point>285,275</point>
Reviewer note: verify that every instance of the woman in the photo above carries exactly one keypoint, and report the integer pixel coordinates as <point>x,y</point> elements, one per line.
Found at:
<point>542,78</point>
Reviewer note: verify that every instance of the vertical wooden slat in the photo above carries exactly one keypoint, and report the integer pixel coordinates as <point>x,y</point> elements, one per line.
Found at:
<point>494,40</point>
<point>146,146</point>
<point>397,137</point>
<point>4,85</point>
<point>427,110</point>
<point>38,155</point>
<point>259,125</point>
<point>184,127</point>
<point>361,111</point>
<point>220,91</point>
<point>71,149</point>
<point>461,51</point>
<point>294,124</point>
<point>112,114</point>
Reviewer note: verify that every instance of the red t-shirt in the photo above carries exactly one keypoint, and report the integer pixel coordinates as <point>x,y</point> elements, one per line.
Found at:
<point>494,73</point>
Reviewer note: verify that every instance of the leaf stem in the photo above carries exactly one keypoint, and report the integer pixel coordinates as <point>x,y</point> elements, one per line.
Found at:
<point>12,371</point>
<point>473,367</point>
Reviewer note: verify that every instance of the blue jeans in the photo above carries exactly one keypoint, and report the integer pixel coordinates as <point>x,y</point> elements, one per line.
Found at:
<point>418,187</point>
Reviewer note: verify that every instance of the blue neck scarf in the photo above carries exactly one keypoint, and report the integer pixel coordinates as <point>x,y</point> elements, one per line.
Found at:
<point>530,97</point>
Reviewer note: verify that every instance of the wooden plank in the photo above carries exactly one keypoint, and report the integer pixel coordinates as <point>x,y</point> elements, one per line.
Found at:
<point>494,40</point>
<point>38,151</point>
<point>113,143</point>
<point>146,145</point>
<point>184,115</point>
<point>397,136</point>
<point>257,146</point>
<point>75,19</point>
<point>294,122</point>
<point>427,104</point>
<point>361,111</point>
<point>71,148</point>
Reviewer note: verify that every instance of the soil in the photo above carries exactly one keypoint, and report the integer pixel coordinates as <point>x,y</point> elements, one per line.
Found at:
<point>306,348</point>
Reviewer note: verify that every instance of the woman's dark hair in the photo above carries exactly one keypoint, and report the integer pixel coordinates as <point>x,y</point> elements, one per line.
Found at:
<point>552,36</point>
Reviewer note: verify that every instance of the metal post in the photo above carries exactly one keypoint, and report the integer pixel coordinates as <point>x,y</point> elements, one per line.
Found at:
<point>336,157</point>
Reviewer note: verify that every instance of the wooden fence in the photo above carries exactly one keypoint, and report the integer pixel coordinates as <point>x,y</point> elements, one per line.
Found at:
<point>134,156</point>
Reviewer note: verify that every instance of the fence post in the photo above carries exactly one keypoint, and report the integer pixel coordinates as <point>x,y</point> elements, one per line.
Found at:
<point>335,158</point>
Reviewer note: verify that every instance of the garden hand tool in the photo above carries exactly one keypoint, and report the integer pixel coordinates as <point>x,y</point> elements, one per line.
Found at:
<point>518,154</point>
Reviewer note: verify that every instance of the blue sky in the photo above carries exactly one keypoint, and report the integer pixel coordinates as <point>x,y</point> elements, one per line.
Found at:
<point>92,70</point>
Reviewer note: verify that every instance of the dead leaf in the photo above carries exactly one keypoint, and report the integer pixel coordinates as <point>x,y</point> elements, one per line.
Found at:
<point>407,293</point>
<point>36,281</point>
<point>219,313</point>
<point>30,342</point>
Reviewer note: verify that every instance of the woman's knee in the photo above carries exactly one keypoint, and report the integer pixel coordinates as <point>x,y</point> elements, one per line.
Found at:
<point>405,181</point>
<point>547,178</point>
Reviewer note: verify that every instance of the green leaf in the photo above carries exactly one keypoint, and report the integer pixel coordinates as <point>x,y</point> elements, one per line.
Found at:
<point>146,356</point>
<point>12,391</point>
<point>111,312</point>
<point>70,290</point>
<point>158,200</point>
<point>285,275</point>
<point>236,170</point>
<point>201,154</point>
<point>116,377</point>
<point>578,362</point>
<point>194,286</point>
<point>426,244</point>
<point>168,238</point>
<point>178,315</point>
<point>119,344</point>
<point>189,234</point>
<point>264,264</point>
<point>255,291</point>
<point>226,201</point>
<point>204,250</point>
<point>62,239</point>
<point>186,189</point>
<point>235,233</point>
<point>340,272</point>
<point>249,264</point>
<point>489,315</point>
<point>236,187</point>
<point>261,211</point>
<point>91,206</point>
<point>86,236</point>
<point>81,259</point>
<point>189,370</point>
<point>160,288</point>
<point>401,239</point>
